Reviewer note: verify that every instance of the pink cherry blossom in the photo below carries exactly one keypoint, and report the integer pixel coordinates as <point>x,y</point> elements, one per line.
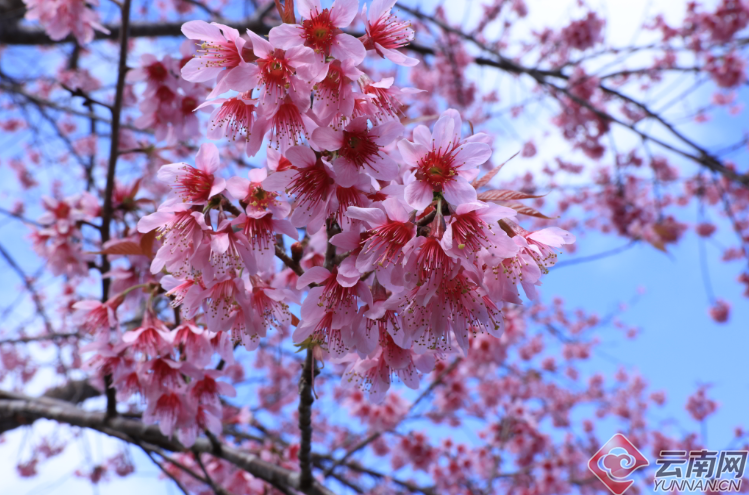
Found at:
<point>195,185</point>
<point>360,147</point>
<point>63,17</point>
<point>321,31</point>
<point>385,33</point>
<point>237,117</point>
<point>219,54</point>
<point>442,162</point>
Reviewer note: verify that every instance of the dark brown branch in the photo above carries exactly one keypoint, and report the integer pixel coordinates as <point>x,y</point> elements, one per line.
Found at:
<point>134,431</point>
<point>74,391</point>
<point>306,400</point>
<point>108,210</point>
<point>22,35</point>
<point>42,338</point>
<point>281,254</point>
<point>114,140</point>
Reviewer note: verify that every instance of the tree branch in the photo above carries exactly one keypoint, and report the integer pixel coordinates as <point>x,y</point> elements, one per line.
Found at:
<point>135,431</point>
<point>281,254</point>
<point>305,421</point>
<point>106,217</point>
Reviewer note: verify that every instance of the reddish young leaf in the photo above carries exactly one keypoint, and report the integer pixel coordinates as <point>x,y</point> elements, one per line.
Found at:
<point>146,243</point>
<point>482,181</point>
<point>123,248</point>
<point>527,211</point>
<point>505,195</point>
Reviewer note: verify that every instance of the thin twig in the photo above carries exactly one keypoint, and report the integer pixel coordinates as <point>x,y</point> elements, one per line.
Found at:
<point>166,472</point>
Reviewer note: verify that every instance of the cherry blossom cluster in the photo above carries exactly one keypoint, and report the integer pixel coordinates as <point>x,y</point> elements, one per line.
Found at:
<point>61,18</point>
<point>401,262</point>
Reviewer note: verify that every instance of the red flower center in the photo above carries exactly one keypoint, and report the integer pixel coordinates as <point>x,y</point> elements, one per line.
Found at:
<point>311,185</point>
<point>237,116</point>
<point>259,231</point>
<point>276,71</point>
<point>319,32</point>
<point>348,196</point>
<point>164,94</point>
<point>392,237</point>
<point>468,231</point>
<point>436,168</point>
<point>189,104</point>
<point>358,148</point>
<point>193,184</point>
<point>219,54</point>
<point>431,260</point>
<point>157,72</point>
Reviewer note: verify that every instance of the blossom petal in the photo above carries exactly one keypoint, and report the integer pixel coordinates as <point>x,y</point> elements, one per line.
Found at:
<point>154,221</point>
<point>201,30</point>
<point>379,8</point>
<point>395,210</point>
<point>346,172</point>
<point>396,57</point>
<point>218,186</point>
<point>419,195</point>
<point>243,77</point>
<point>286,36</point>
<point>384,134</point>
<point>472,154</point>
<point>261,47</point>
<point>443,133</point>
<point>196,70</point>
<point>552,236</point>
<point>327,139</point>
<point>458,191</point>
<point>285,227</point>
<point>301,156</point>
<point>238,187</point>
<point>411,152</point>
<point>207,158</point>
<point>346,47</point>
<point>422,136</point>
<point>373,216</point>
<point>316,274</point>
<point>343,12</point>
<point>308,8</point>
<point>383,168</point>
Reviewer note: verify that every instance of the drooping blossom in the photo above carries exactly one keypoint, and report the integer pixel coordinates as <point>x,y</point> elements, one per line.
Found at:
<point>218,55</point>
<point>385,33</point>
<point>311,180</point>
<point>59,18</point>
<point>335,101</point>
<point>236,117</point>
<point>181,231</point>
<point>195,185</point>
<point>360,147</point>
<point>383,99</point>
